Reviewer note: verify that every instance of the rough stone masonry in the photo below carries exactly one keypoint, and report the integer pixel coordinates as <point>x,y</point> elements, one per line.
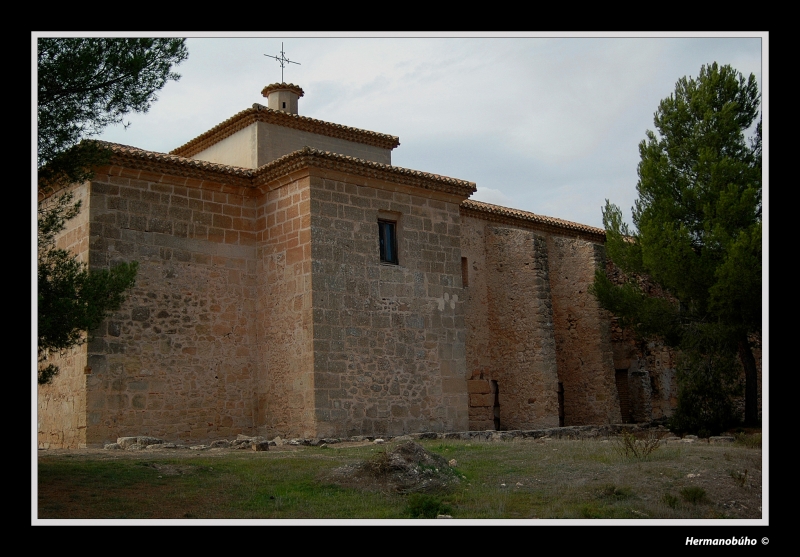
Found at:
<point>264,305</point>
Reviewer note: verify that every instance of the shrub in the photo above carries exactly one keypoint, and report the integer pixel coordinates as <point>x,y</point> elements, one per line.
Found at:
<point>709,381</point>
<point>421,505</point>
<point>629,446</point>
<point>694,495</point>
<point>670,500</point>
<point>739,478</point>
<point>750,441</point>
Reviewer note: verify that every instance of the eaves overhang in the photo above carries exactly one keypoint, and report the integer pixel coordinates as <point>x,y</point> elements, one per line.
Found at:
<point>154,163</point>
<point>507,215</point>
<point>261,113</point>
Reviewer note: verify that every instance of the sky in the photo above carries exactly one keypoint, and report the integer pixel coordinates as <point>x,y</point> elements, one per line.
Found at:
<point>547,124</point>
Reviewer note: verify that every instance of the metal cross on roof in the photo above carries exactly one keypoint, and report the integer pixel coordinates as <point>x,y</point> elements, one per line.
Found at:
<point>283,60</point>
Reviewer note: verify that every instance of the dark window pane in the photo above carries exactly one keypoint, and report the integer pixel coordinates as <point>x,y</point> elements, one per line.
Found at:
<point>387,232</point>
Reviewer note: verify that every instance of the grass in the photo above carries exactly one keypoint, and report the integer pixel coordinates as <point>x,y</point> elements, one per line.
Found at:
<point>517,479</point>
<point>422,505</point>
<point>749,440</point>
<point>694,495</point>
<point>671,501</point>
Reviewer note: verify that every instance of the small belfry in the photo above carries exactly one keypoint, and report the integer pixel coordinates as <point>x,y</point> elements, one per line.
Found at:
<point>282,96</point>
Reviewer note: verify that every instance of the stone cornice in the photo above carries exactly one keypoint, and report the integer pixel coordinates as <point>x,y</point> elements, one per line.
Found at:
<point>260,113</point>
<point>308,157</point>
<point>496,213</point>
<point>160,163</point>
<point>151,161</point>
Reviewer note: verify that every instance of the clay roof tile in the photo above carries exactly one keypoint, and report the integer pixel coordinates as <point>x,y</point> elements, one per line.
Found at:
<point>497,212</point>
<point>261,113</point>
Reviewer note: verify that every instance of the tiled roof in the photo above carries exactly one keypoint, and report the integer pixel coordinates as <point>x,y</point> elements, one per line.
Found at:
<point>261,113</point>
<point>296,89</point>
<point>139,159</point>
<point>351,165</point>
<point>152,161</point>
<point>497,213</point>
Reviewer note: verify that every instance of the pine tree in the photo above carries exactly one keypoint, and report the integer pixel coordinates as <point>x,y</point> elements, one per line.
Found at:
<point>84,85</point>
<point>698,221</point>
<point>71,299</point>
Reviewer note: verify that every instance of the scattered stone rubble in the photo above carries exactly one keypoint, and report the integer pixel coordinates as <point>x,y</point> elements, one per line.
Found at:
<point>258,443</point>
<point>151,443</point>
<point>408,468</point>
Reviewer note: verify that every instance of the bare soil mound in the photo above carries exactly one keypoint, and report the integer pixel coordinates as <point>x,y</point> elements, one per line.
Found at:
<point>408,468</point>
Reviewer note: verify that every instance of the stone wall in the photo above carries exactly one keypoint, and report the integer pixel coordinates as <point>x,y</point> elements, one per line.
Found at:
<point>582,334</point>
<point>266,309</point>
<point>511,360</point>
<point>177,360</point>
<point>479,364</point>
<point>61,411</point>
<point>285,380</point>
<point>388,339</point>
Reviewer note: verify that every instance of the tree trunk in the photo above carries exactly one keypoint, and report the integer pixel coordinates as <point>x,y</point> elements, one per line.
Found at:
<point>750,382</point>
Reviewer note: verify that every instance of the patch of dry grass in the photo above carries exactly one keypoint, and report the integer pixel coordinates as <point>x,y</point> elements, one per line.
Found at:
<point>513,479</point>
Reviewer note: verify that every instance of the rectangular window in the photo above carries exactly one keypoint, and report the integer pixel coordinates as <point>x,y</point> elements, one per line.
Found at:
<point>464,272</point>
<point>387,231</point>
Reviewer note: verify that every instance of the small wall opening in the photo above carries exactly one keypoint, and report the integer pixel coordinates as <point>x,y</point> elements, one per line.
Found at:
<point>464,272</point>
<point>496,408</point>
<point>621,379</point>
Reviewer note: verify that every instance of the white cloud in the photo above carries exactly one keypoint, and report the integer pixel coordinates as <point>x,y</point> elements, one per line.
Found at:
<point>548,125</point>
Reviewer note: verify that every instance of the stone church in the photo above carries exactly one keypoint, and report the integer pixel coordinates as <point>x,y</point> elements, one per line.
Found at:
<point>293,282</point>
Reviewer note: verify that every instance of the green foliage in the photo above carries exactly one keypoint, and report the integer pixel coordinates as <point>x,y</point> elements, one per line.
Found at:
<point>670,500</point>
<point>421,505</point>
<point>71,298</point>
<point>751,441</point>
<point>621,246</point>
<point>698,237</point>
<point>74,165</point>
<point>86,84</point>
<point>708,381</point>
<point>694,495</point>
<point>647,316</point>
